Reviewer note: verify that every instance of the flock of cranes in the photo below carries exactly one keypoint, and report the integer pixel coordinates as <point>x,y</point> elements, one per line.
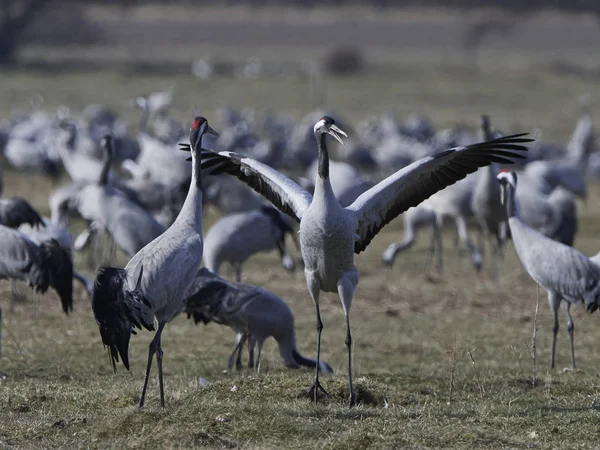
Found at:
<point>154,215</point>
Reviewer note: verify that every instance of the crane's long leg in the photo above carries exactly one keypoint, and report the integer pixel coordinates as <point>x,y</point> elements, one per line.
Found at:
<point>152,349</point>
<point>241,339</point>
<point>314,288</point>
<point>463,234</point>
<point>346,293</point>
<point>554,300</point>
<point>393,249</point>
<point>571,329</point>
<point>251,345</point>
<point>159,360</point>
<point>258,352</point>
<point>237,267</point>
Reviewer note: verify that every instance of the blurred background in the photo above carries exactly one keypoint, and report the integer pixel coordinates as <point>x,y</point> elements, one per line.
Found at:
<point>447,59</point>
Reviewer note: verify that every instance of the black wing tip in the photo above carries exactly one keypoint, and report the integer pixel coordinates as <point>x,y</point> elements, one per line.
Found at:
<point>60,269</point>
<point>107,306</point>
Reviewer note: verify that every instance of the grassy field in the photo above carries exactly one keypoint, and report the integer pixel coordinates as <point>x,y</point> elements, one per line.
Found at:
<point>440,360</point>
<point>412,332</point>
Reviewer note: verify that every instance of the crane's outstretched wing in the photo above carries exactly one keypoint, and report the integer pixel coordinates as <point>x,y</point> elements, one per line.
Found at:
<point>284,193</point>
<point>420,180</point>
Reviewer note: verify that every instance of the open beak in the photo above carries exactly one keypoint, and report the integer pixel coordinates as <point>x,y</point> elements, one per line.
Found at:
<point>209,130</point>
<point>336,132</point>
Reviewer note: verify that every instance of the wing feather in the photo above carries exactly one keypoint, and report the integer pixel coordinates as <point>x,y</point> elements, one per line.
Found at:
<point>420,180</point>
<point>280,190</point>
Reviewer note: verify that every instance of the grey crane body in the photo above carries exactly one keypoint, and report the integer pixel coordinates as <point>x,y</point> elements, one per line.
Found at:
<point>54,231</point>
<point>236,237</point>
<point>454,202</point>
<point>565,273</point>
<point>487,207</point>
<point>553,214</point>
<point>486,204</point>
<point>155,281</point>
<point>331,234</point>
<point>415,219</point>
<point>129,224</point>
<point>42,266</point>
<point>252,312</point>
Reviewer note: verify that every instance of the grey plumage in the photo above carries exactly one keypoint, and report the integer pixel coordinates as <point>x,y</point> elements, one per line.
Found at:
<point>331,234</point>
<point>155,281</point>
<point>414,219</point>
<point>253,313</point>
<point>564,272</point>
<point>236,237</point>
<point>487,207</point>
<point>42,266</point>
<point>130,226</point>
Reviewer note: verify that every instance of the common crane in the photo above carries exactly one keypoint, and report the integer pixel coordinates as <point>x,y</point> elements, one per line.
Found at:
<point>565,273</point>
<point>236,237</point>
<point>155,281</point>
<point>329,233</point>
<point>41,265</point>
<point>129,225</point>
<point>253,313</point>
<point>414,219</point>
<point>487,208</point>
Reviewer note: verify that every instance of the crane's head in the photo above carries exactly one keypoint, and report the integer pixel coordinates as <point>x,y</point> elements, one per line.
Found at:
<point>199,127</point>
<point>327,125</point>
<point>506,178</point>
<point>108,143</point>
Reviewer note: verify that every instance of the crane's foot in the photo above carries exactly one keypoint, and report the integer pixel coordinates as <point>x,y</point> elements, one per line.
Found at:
<point>352,399</point>
<point>316,391</point>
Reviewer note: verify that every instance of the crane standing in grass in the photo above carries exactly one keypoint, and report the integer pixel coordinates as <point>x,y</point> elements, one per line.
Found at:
<point>487,208</point>
<point>155,281</point>
<point>329,233</point>
<point>565,273</point>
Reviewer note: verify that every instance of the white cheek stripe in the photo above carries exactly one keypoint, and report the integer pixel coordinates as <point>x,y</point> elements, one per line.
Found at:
<point>319,124</point>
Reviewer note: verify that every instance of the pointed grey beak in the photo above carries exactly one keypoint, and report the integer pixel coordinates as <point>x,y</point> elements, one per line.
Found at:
<point>209,130</point>
<point>336,131</point>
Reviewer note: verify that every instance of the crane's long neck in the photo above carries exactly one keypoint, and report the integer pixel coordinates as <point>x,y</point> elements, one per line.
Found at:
<point>323,168</point>
<point>103,179</point>
<point>323,187</point>
<point>510,201</point>
<point>191,211</point>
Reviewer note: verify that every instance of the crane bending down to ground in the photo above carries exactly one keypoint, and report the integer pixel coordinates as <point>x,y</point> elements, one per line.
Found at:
<point>155,281</point>
<point>237,237</point>
<point>565,273</point>
<point>414,219</point>
<point>253,313</point>
<point>329,233</point>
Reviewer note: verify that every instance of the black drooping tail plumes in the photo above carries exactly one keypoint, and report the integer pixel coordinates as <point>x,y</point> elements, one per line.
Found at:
<point>117,311</point>
<point>57,263</point>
